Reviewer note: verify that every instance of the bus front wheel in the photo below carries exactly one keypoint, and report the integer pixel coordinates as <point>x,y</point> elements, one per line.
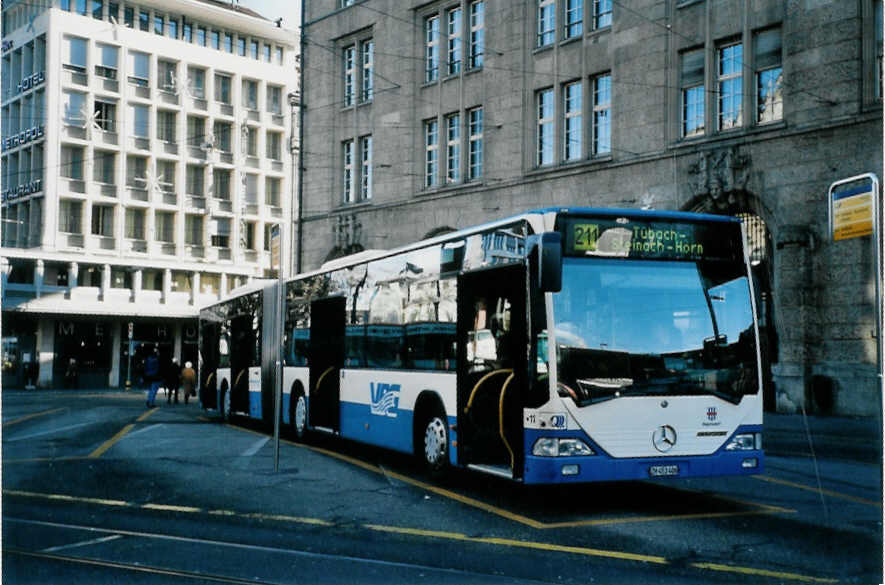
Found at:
<point>435,444</point>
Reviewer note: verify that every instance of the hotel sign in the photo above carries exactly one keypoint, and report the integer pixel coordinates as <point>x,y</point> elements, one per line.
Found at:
<point>30,82</point>
<point>28,188</point>
<point>24,137</point>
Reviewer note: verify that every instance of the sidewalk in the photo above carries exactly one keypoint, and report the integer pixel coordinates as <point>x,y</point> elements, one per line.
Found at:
<point>857,439</point>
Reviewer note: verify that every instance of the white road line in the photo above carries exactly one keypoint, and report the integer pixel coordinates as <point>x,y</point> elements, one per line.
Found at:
<point>84,543</point>
<point>49,432</point>
<point>130,435</point>
<point>255,448</point>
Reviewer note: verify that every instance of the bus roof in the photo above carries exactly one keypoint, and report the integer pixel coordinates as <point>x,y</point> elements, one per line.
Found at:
<point>643,213</point>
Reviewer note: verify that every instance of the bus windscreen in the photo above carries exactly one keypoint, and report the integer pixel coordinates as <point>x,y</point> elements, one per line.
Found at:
<point>637,238</point>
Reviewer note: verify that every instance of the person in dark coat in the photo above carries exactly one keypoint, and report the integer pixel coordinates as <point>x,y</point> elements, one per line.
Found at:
<point>171,380</point>
<point>152,377</point>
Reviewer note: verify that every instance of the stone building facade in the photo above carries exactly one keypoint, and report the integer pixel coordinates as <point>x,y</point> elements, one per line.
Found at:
<point>451,113</point>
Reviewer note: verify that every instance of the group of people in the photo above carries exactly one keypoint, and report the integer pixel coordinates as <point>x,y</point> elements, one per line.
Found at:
<point>168,375</point>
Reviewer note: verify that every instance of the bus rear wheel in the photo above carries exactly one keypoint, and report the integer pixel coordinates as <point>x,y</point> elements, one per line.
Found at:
<point>435,444</point>
<point>299,417</point>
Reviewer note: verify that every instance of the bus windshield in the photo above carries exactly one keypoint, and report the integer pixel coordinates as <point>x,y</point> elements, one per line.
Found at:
<point>652,327</point>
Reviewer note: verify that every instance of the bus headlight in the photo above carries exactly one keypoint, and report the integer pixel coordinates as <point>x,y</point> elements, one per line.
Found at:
<point>553,447</point>
<point>745,442</point>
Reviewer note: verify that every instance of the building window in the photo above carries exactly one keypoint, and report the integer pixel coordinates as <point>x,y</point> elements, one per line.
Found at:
<point>729,71</point>
<point>268,235</point>
<point>144,20</point>
<point>104,167</point>
<point>75,54</point>
<point>215,40</point>
<point>272,191</point>
<point>241,46</point>
<point>572,97</point>
<point>602,13</point>
<point>196,82</point>
<point>80,7</point>
<point>546,23</point>
<point>164,226</point>
<point>692,89</point>
<point>222,132</point>
<point>98,9</point>
<point>166,129</point>
<point>545,123</point>
<point>103,220</point>
<point>769,76</point>
<point>453,55</point>
<point>228,43</point>
<point>70,216</point>
<point>247,238</point>
<point>136,172</point>
<point>347,178</point>
<point>187,32</point>
<point>275,99</point>
<point>250,94</point>
<point>193,230</point>
<point>201,36</point>
<point>279,53</point>
<point>159,24</point>
<point>220,227</point>
<point>134,225</point>
<point>574,19</point>
<point>74,110</point>
<point>267,53</point>
<point>172,28</point>
<point>196,131</point>
<point>166,176</point>
<point>139,120</point>
<point>602,121</point>
<point>253,49</point>
<point>139,67</point>
<point>274,145</point>
<point>431,49</point>
<point>167,75</point>
<point>221,184</point>
<point>223,89</point>
<point>431,153</point>
<point>349,75</point>
<point>106,115</point>
<point>453,148</point>
<point>367,56</point>
<point>477,34</point>
<point>107,55</point>
<point>366,167</point>
<point>129,17</point>
<point>195,180</point>
<point>72,162</point>
<point>251,135</point>
<point>474,121</point>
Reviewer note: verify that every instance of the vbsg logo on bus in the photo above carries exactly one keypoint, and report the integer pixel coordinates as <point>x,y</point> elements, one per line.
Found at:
<point>385,398</point>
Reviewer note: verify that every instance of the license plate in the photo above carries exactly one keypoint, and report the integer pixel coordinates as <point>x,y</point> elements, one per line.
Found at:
<point>663,470</point>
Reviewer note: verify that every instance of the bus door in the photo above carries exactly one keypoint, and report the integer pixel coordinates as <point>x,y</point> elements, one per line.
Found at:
<point>243,333</point>
<point>210,332</point>
<point>492,368</point>
<point>327,319</point>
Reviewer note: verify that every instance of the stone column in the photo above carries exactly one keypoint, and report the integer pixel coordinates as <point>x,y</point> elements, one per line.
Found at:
<point>38,277</point>
<point>793,296</point>
<point>73,272</point>
<point>116,341</point>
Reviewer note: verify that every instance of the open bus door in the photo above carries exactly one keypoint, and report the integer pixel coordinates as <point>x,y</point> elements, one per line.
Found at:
<point>492,369</point>
<point>327,321</point>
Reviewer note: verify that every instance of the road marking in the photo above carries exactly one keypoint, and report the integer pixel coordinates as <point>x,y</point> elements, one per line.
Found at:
<point>113,440</point>
<point>255,448</point>
<point>49,432</point>
<point>84,543</point>
<point>454,536</point>
<point>761,573</point>
<point>144,430</point>
<point>661,518</point>
<point>30,416</point>
<point>809,488</point>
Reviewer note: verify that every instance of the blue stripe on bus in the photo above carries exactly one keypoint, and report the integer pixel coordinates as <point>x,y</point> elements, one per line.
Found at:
<point>603,467</point>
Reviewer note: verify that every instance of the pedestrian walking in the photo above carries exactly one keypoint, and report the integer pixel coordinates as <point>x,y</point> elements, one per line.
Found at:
<point>171,380</point>
<point>188,381</point>
<point>152,377</point>
<point>71,374</point>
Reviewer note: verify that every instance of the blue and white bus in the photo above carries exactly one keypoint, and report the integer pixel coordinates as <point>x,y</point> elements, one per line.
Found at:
<point>558,345</point>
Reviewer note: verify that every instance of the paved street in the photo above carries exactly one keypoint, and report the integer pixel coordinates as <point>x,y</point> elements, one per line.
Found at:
<point>99,489</point>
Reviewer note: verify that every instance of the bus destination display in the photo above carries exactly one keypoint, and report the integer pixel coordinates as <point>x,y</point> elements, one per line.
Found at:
<point>658,240</point>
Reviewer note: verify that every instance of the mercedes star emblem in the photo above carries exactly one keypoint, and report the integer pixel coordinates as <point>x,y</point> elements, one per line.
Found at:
<point>664,438</point>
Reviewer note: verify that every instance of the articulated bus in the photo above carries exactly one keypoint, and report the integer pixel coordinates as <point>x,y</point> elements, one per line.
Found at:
<point>559,345</point>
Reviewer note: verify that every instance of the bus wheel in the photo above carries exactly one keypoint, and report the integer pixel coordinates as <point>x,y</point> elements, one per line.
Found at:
<point>299,417</point>
<point>436,441</point>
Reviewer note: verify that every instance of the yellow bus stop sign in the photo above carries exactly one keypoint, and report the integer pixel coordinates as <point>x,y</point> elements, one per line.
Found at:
<point>852,208</point>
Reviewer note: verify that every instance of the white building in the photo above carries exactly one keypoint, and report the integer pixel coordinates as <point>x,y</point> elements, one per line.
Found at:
<point>145,162</point>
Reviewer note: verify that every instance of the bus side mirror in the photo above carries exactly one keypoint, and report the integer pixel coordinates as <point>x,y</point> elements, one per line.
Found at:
<point>549,251</point>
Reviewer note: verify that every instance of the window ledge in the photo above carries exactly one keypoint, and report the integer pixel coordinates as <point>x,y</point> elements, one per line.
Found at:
<point>570,40</point>
<point>687,3</point>
<point>543,49</point>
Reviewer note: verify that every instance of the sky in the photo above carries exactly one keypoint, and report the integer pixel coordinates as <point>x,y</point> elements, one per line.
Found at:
<point>290,10</point>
